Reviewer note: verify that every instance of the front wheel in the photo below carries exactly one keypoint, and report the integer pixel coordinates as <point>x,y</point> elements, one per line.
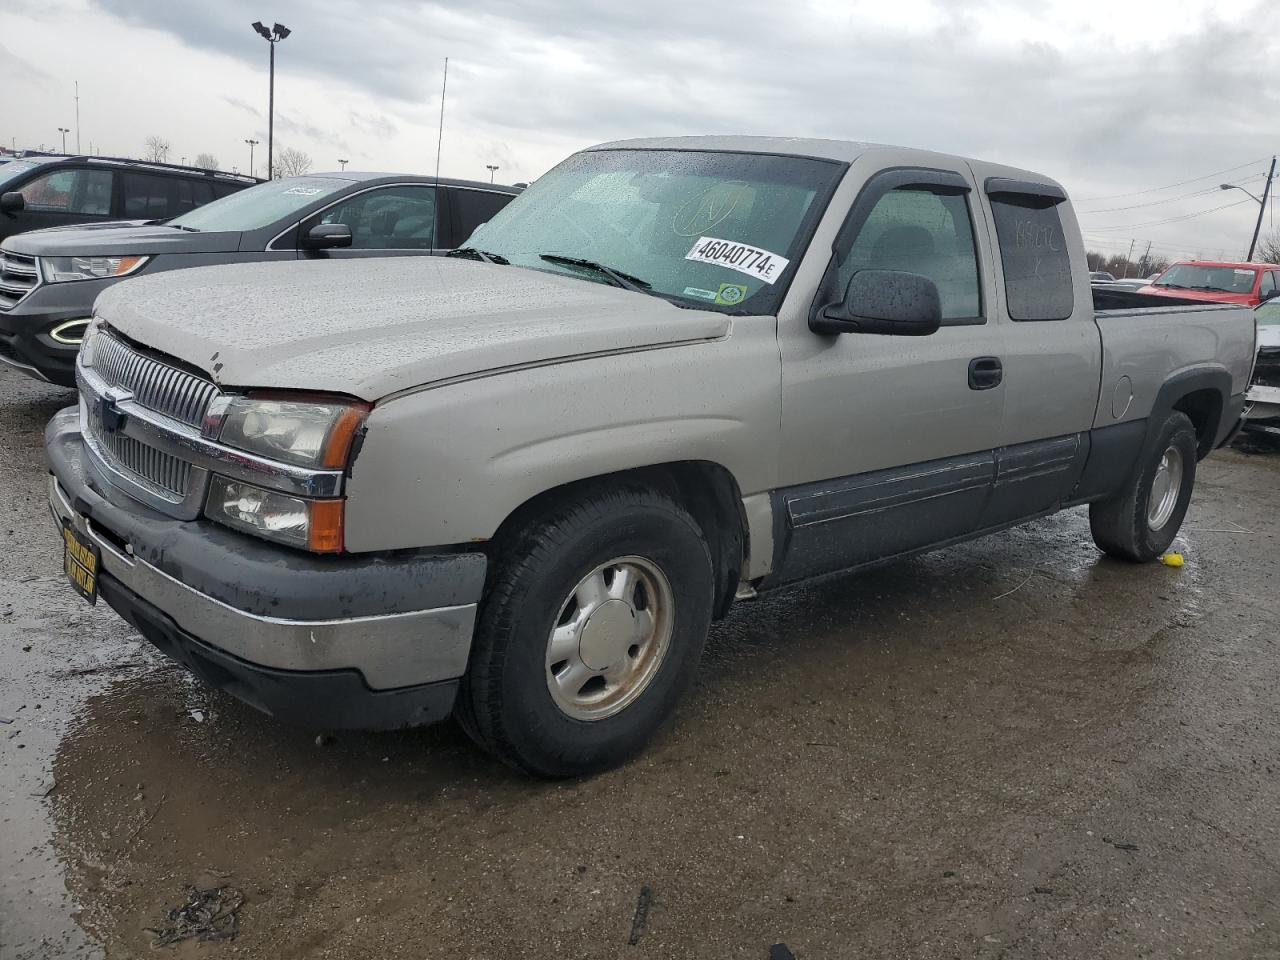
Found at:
<point>1140,521</point>
<point>590,632</point>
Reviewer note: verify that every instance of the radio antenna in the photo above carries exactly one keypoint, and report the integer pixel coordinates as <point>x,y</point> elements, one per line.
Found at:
<point>444,87</point>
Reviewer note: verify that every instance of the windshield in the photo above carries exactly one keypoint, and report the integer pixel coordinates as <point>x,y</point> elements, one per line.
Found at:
<point>13,170</point>
<point>259,206</point>
<point>1268,314</point>
<point>1189,276</point>
<point>719,230</point>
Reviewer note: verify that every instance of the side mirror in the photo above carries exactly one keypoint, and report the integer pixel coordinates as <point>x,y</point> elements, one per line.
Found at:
<point>12,202</point>
<point>884,301</point>
<point>323,236</point>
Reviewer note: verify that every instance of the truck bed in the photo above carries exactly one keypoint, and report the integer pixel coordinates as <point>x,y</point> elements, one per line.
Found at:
<point>1147,338</point>
<point>1106,299</point>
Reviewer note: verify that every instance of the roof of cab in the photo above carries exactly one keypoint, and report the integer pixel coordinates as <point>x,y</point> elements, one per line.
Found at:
<point>840,151</point>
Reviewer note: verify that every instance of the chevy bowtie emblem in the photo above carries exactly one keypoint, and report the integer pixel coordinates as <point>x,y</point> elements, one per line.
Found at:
<point>109,415</point>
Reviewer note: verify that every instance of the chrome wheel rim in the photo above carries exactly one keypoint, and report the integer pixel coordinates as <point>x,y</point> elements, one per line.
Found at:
<point>1165,487</point>
<point>610,638</point>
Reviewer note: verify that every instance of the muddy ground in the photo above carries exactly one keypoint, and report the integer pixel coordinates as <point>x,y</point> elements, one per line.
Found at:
<point>1013,748</point>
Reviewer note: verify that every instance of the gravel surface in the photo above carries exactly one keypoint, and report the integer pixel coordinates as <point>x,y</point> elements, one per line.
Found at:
<point>1011,748</point>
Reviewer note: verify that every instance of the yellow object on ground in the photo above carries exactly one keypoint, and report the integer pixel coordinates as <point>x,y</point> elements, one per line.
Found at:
<point>1172,560</point>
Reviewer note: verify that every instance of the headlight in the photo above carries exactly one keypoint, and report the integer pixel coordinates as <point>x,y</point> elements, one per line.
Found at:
<point>60,269</point>
<point>313,432</point>
<point>314,525</point>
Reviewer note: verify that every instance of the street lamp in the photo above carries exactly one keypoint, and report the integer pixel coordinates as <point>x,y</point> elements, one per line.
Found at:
<point>273,36</point>
<point>64,131</point>
<point>343,163</point>
<point>1260,201</point>
<point>492,168</point>
<point>252,144</point>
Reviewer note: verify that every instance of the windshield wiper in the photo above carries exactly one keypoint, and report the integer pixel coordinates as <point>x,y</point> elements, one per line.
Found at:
<point>475,253</point>
<point>616,277</point>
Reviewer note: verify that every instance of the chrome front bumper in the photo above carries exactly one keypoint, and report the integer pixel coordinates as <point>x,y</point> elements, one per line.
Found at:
<point>391,650</point>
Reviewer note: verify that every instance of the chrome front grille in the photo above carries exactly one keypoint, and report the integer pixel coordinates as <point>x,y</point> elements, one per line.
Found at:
<point>19,275</point>
<point>154,384</point>
<point>120,378</point>
<point>162,474</point>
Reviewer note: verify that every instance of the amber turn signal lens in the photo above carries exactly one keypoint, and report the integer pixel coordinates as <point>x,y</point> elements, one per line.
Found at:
<point>326,526</point>
<point>338,447</point>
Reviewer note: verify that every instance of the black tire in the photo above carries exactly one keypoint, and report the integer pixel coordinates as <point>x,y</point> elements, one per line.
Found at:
<point>1120,523</point>
<point>505,703</point>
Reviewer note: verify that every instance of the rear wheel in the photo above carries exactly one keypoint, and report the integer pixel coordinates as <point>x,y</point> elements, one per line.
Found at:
<point>1139,522</point>
<point>590,632</point>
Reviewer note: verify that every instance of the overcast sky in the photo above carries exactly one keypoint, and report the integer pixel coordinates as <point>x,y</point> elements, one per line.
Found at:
<point>1111,98</point>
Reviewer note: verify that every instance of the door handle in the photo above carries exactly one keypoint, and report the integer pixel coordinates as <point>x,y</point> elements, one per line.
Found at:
<point>985,373</point>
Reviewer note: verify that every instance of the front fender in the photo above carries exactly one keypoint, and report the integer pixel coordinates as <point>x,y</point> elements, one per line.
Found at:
<point>447,465</point>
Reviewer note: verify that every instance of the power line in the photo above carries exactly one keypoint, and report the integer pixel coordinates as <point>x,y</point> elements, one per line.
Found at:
<point>1170,186</point>
<point>1186,196</point>
<point>1119,248</point>
<point>1156,223</point>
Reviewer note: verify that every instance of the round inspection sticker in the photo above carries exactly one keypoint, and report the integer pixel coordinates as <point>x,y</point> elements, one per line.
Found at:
<point>731,293</point>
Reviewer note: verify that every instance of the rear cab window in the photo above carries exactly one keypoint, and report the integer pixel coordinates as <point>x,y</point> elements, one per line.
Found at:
<point>1034,253</point>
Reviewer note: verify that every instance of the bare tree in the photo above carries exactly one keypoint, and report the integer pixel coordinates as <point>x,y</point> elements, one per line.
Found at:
<point>290,163</point>
<point>207,161</point>
<point>1268,248</point>
<point>157,148</point>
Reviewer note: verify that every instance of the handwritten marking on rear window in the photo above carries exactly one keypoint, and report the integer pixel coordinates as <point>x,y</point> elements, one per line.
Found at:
<point>742,257</point>
<point>1036,236</point>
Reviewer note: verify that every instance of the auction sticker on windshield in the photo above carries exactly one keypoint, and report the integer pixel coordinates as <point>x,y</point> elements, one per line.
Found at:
<point>742,257</point>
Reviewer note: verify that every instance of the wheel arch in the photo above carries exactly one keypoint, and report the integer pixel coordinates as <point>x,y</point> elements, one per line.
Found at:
<point>708,490</point>
<point>1202,394</point>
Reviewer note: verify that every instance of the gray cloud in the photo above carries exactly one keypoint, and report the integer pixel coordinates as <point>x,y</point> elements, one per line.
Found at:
<point>1100,112</point>
<point>241,105</point>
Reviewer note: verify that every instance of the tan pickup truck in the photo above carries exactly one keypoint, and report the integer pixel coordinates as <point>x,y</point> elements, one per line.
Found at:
<point>517,484</point>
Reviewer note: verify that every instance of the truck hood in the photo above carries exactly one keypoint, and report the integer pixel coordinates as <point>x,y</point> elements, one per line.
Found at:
<point>372,327</point>
<point>119,238</point>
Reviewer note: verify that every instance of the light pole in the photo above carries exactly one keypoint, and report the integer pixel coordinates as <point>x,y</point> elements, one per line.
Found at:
<point>64,131</point>
<point>343,164</point>
<point>273,36</point>
<point>252,143</point>
<point>492,168</point>
<point>1260,201</point>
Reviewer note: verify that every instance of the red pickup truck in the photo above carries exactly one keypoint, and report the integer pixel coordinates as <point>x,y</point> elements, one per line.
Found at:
<point>1219,281</point>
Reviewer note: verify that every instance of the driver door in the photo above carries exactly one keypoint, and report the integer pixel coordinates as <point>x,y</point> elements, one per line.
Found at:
<point>888,441</point>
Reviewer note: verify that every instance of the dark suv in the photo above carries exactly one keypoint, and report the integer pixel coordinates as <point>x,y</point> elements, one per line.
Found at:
<point>49,279</point>
<point>38,192</point>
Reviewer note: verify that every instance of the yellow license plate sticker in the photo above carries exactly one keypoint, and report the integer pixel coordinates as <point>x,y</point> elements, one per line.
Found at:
<point>80,561</point>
